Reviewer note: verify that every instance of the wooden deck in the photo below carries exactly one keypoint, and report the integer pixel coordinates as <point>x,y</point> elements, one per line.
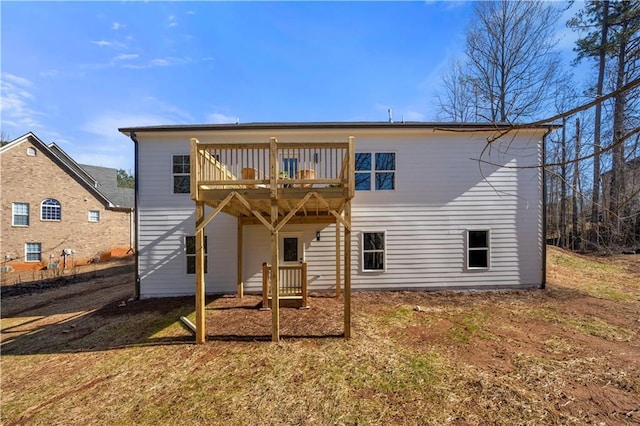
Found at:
<point>274,184</point>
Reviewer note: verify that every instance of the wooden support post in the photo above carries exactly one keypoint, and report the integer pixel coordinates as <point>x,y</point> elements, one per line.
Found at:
<point>273,169</point>
<point>347,271</point>
<point>240,289</point>
<point>195,171</point>
<point>337,259</point>
<point>265,286</point>
<point>201,330</point>
<point>304,285</point>
<point>275,284</point>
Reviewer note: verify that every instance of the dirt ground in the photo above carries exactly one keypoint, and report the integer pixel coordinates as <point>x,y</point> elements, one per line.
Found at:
<point>573,347</point>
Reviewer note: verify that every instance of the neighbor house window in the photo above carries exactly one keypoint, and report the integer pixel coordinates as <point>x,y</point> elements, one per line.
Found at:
<point>181,168</point>
<point>20,214</point>
<point>50,209</point>
<point>33,252</point>
<point>94,216</point>
<point>478,249</point>
<point>190,249</point>
<point>375,170</point>
<point>373,251</point>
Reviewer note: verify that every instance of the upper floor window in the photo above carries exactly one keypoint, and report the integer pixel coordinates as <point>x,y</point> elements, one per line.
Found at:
<point>181,167</point>
<point>478,249</point>
<point>50,209</point>
<point>20,213</point>
<point>31,151</point>
<point>94,216</point>
<point>375,169</point>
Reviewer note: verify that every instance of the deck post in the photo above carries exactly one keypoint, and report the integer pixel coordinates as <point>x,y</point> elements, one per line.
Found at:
<point>240,289</point>
<point>305,292</point>
<point>275,284</point>
<point>347,271</point>
<point>201,331</point>
<point>337,258</point>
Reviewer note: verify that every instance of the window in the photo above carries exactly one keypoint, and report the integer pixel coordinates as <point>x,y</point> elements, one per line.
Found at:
<point>378,168</point>
<point>50,209</point>
<point>477,249</point>
<point>20,214</point>
<point>33,252</point>
<point>373,251</point>
<point>181,169</point>
<point>190,248</point>
<point>31,151</point>
<point>94,216</point>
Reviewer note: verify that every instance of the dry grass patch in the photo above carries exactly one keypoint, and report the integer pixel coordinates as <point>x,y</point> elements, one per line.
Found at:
<point>565,355</point>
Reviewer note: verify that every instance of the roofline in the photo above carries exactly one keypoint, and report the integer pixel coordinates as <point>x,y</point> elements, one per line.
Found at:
<point>62,163</point>
<point>334,125</point>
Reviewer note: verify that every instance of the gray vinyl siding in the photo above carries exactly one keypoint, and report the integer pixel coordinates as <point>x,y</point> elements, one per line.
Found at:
<point>165,220</point>
<point>441,192</point>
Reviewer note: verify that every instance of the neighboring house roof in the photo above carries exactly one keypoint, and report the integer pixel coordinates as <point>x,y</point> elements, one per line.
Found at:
<point>102,189</point>
<point>330,125</point>
<point>107,179</point>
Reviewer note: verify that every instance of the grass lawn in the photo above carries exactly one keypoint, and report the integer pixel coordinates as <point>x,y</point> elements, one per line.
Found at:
<point>568,354</point>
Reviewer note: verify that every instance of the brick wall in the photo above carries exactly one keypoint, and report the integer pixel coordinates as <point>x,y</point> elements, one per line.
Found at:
<point>32,179</point>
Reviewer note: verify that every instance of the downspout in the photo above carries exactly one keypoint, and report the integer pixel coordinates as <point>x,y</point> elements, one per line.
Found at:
<point>543,234</point>
<point>136,291</point>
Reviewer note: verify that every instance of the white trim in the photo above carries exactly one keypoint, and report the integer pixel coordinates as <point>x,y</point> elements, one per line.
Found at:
<point>467,249</point>
<point>13,215</point>
<point>97,214</point>
<point>39,252</point>
<point>384,251</point>
<point>187,255</point>
<point>281,237</point>
<point>372,172</point>
<point>59,207</point>
<point>172,175</point>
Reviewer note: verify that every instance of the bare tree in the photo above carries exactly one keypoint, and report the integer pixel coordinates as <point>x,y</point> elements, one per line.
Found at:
<point>458,98</point>
<point>511,59</point>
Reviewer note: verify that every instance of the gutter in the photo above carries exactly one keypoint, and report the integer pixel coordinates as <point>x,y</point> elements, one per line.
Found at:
<point>136,291</point>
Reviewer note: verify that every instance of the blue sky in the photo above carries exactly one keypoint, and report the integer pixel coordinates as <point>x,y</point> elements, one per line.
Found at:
<point>73,72</point>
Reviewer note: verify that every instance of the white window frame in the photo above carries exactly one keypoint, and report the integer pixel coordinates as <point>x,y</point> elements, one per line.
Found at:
<point>14,215</point>
<point>188,255</point>
<point>95,218</point>
<point>470,249</point>
<point>372,173</point>
<point>383,250</point>
<point>27,252</point>
<point>174,175</point>
<point>31,151</point>
<point>51,209</point>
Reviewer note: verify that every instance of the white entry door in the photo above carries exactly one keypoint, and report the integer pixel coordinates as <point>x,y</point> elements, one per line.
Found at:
<point>291,248</point>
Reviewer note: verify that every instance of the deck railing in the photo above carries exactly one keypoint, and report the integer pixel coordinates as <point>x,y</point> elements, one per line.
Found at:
<point>269,165</point>
<point>292,279</point>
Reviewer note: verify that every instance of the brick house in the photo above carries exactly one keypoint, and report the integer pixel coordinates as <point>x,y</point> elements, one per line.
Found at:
<point>57,213</point>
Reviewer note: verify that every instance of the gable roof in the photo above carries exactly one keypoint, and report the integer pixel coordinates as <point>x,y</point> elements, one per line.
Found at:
<point>77,172</point>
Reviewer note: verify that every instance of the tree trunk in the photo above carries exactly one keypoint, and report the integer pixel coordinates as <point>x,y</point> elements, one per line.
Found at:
<point>595,198</point>
<point>617,188</point>
<point>563,186</point>
<point>575,243</point>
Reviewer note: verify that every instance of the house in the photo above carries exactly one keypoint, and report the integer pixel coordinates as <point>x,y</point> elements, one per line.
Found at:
<point>55,213</point>
<point>362,206</point>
